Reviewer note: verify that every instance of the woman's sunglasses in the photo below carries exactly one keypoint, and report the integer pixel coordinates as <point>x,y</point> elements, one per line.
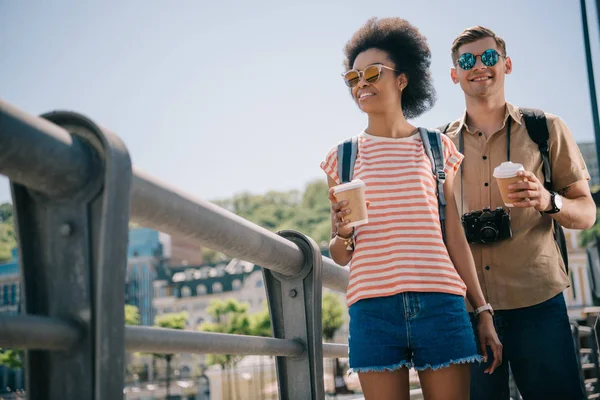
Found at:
<point>489,58</point>
<point>370,74</point>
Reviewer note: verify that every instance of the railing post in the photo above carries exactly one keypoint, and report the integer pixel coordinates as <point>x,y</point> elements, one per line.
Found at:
<point>295,308</point>
<point>73,256</point>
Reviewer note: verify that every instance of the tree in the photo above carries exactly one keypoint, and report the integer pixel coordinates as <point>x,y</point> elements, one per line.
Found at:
<point>229,316</point>
<point>11,358</point>
<point>8,239</point>
<point>591,235</point>
<point>170,321</point>
<point>132,315</point>
<point>210,256</point>
<point>6,212</point>
<point>333,319</point>
<point>307,212</point>
<point>260,325</point>
<point>316,196</point>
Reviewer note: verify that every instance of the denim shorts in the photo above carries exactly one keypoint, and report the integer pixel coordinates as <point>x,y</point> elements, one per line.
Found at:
<point>420,330</point>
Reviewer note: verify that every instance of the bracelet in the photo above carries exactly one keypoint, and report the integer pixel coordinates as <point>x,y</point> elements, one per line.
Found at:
<point>486,307</point>
<point>348,242</point>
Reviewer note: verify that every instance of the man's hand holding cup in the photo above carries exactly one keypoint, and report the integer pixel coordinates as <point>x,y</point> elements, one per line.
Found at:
<point>530,192</point>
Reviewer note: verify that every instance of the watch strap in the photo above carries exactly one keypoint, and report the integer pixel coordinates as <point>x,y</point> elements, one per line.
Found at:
<point>554,208</point>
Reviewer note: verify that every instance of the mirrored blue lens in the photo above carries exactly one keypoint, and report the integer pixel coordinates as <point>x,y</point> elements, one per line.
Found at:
<point>466,61</point>
<point>489,57</point>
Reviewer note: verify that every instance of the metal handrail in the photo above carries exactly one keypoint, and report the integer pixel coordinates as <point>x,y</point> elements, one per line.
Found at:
<point>153,203</point>
<point>76,162</point>
<point>44,333</point>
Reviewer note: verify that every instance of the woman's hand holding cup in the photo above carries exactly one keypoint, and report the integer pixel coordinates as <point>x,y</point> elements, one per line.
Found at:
<point>340,211</point>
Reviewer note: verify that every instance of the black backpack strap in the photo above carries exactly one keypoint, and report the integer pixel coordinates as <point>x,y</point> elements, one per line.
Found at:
<point>432,144</point>
<point>346,157</point>
<point>537,128</point>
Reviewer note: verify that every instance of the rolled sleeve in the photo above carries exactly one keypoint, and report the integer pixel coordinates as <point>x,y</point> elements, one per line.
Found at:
<point>568,165</point>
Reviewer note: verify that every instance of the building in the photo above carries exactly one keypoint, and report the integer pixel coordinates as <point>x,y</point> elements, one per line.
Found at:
<point>10,303</point>
<point>185,251</point>
<point>191,288</point>
<point>147,251</point>
<point>10,298</point>
<point>588,151</point>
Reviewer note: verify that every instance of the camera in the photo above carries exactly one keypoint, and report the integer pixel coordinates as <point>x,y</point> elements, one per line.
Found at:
<point>487,226</point>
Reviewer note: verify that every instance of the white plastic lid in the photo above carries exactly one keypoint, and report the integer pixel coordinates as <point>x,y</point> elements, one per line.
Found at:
<point>507,170</point>
<point>355,184</point>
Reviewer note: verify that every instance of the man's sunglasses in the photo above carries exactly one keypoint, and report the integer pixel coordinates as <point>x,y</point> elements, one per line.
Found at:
<point>489,58</point>
<point>370,74</point>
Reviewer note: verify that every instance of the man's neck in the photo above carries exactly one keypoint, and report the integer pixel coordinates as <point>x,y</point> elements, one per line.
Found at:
<point>486,115</point>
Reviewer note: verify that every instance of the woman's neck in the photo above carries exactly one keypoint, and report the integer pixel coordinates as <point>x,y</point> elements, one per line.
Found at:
<point>389,125</point>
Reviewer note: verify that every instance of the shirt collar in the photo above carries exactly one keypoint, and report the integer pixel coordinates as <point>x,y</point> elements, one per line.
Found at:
<point>511,111</point>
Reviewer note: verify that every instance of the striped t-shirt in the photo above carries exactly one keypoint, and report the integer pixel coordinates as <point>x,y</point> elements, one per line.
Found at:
<point>401,249</point>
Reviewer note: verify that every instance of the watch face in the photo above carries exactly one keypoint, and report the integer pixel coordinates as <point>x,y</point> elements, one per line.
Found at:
<point>558,201</point>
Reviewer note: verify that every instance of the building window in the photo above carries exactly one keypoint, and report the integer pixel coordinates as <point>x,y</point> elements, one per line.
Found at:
<point>237,284</point>
<point>186,291</point>
<point>217,287</point>
<point>14,295</point>
<point>200,290</point>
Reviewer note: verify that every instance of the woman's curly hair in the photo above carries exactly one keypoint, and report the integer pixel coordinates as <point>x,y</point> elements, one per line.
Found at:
<point>407,48</point>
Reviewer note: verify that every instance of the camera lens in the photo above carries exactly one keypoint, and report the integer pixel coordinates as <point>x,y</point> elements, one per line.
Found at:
<point>488,234</point>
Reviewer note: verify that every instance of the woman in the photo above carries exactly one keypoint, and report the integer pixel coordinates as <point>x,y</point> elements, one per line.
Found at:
<point>407,286</point>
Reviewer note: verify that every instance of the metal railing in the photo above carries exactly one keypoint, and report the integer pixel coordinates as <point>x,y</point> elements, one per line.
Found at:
<point>74,192</point>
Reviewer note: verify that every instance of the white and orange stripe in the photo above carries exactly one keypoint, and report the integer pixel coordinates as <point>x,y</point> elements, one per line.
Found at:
<point>401,249</point>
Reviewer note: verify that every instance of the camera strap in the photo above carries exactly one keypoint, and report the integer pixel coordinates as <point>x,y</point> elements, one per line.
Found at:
<point>461,149</point>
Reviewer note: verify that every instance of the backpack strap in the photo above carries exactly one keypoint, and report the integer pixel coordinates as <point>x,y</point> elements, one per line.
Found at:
<point>346,157</point>
<point>537,128</point>
<point>432,144</point>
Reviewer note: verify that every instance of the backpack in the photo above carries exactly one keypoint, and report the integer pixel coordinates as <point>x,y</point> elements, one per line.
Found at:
<point>537,128</point>
<point>432,144</point>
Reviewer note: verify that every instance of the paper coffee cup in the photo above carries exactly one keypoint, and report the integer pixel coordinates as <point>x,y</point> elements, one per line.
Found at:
<point>506,174</point>
<point>354,193</point>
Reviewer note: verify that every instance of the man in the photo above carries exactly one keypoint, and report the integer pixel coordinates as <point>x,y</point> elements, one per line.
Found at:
<point>522,276</point>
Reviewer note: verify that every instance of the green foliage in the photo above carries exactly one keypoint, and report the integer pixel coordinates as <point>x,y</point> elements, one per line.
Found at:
<point>260,323</point>
<point>308,213</point>
<point>8,239</point>
<point>229,316</point>
<point>11,358</point>
<point>333,315</point>
<point>590,235</point>
<point>210,256</point>
<point>132,315</point>
<point>172,321</point>
<point>6,212</point>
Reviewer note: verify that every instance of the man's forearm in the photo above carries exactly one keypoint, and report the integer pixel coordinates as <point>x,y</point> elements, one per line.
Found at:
<point>576,213</point>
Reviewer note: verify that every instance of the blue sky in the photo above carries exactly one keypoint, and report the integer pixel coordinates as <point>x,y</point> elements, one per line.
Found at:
<point>230,96</point>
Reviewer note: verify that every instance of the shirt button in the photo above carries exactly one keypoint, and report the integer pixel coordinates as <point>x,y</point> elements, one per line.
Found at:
<point>480,134</point>
<point>484,157</point>
<point>486,184</point>
<point>487,267</point>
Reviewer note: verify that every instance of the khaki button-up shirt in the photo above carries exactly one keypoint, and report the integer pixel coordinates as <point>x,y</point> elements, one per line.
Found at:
<point>526,269</point>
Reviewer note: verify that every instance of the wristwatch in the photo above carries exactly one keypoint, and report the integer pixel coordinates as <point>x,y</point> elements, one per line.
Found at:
<point>486,307</point>
<point>556,202</point>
